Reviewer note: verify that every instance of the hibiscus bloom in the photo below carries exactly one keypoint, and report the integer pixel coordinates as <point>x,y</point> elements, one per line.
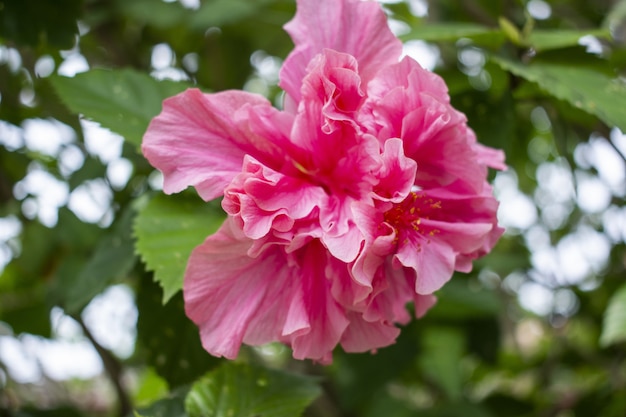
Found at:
<point>367,191</point>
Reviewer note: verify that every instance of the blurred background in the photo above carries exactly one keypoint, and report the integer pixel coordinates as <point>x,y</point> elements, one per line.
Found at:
<point>537,329</point>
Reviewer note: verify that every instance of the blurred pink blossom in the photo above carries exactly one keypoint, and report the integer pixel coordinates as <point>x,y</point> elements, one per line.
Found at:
<point>365,193</point>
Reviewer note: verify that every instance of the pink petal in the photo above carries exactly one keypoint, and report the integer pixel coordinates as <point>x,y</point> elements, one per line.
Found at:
<point>315,321</point>
<point>363,336</point>
<point>225,291</point>
<point>432,261</point>
<point>397,174</point>
<point>355,27</point>
<point>200,140</point>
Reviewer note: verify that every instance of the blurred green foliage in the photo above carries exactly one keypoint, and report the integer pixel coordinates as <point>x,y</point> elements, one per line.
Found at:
<point>527,85</point>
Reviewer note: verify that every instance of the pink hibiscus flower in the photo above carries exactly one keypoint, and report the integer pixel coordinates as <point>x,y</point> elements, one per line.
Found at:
<point>366,192</point>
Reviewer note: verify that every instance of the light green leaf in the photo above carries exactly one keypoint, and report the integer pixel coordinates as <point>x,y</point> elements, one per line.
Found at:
<point>222,12</point>
<point>113,258</point>
<point>614,325</point>
<point>121,100</point>
<point>167,229</point>
<point>543,40</point>
<point>238,390</point>
<point>453,31</point>
<point>584,88</point>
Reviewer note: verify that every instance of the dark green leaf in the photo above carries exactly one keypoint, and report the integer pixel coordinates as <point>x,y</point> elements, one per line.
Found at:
<point>167,229</point>
<point>40,22</point>
<point>168,340</point>
<point>121,100</point>
<point>238,390</point>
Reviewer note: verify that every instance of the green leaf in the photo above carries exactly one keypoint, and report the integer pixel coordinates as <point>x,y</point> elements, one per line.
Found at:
<point>443,350</point>
<point>445,32</point>
<point>167,230</point>
<point>159,14</point>
<point>584,88</point>
<point>121,100</point>
<point>222,12</point>
<point>543,40</point>
<point>113,258</point>
<point>172,406</point>
<point>459,300</point>
<point>167,339</point>
<point>614,325</point>
<point>239,390</point>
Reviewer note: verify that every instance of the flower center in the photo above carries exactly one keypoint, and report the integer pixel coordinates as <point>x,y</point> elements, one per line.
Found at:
<point>407,216</point>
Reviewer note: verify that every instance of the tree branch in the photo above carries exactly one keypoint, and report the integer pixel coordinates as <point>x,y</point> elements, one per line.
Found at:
<point>113,368</point>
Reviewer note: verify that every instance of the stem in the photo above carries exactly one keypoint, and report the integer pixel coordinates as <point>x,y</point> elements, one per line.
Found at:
<point>113,368</point>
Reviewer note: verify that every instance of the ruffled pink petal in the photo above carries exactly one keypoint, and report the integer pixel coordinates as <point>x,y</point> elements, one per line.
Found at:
<point>267,200</point>
<point>397,174</point>
<point>355,27</point>
<point>200,140</point>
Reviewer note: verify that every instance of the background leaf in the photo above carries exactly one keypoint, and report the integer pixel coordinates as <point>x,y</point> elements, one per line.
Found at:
<point>584,88</point>
<point>121,100</point>
<point>237,390</point>
<point>614,325</point>
<point>168,340</point>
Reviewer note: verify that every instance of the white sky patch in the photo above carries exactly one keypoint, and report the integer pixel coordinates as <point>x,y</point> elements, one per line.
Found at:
<point>20,360</point>
<point>267,67</point>
<point>11,57</point>
<point>536,298</point>
<point>10,228</point>
<point>398,27</point>
<point>593,196</point>
<point>155,180</point>
<point>592,44</point>
<point>63,359</point>
<point>112,317</point>
<point>162,56</point>
<point>619,140</point>
<point>190,4</point>
<point>48,195</point>
<point>70,160</point>
<point>91,200</point>
<point>47,136</point>
<point>516,209</point>
<point>73,64</point>
<point>425,54</point>
<point>11,136</point>
<point>539,9</point>
<point>614,223</point>
<point>418,8</point>
<point>609,164</point>
<point>119,172</point>
<point>575,258</point>
<point>101,142</point>
<point>44,66</point>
